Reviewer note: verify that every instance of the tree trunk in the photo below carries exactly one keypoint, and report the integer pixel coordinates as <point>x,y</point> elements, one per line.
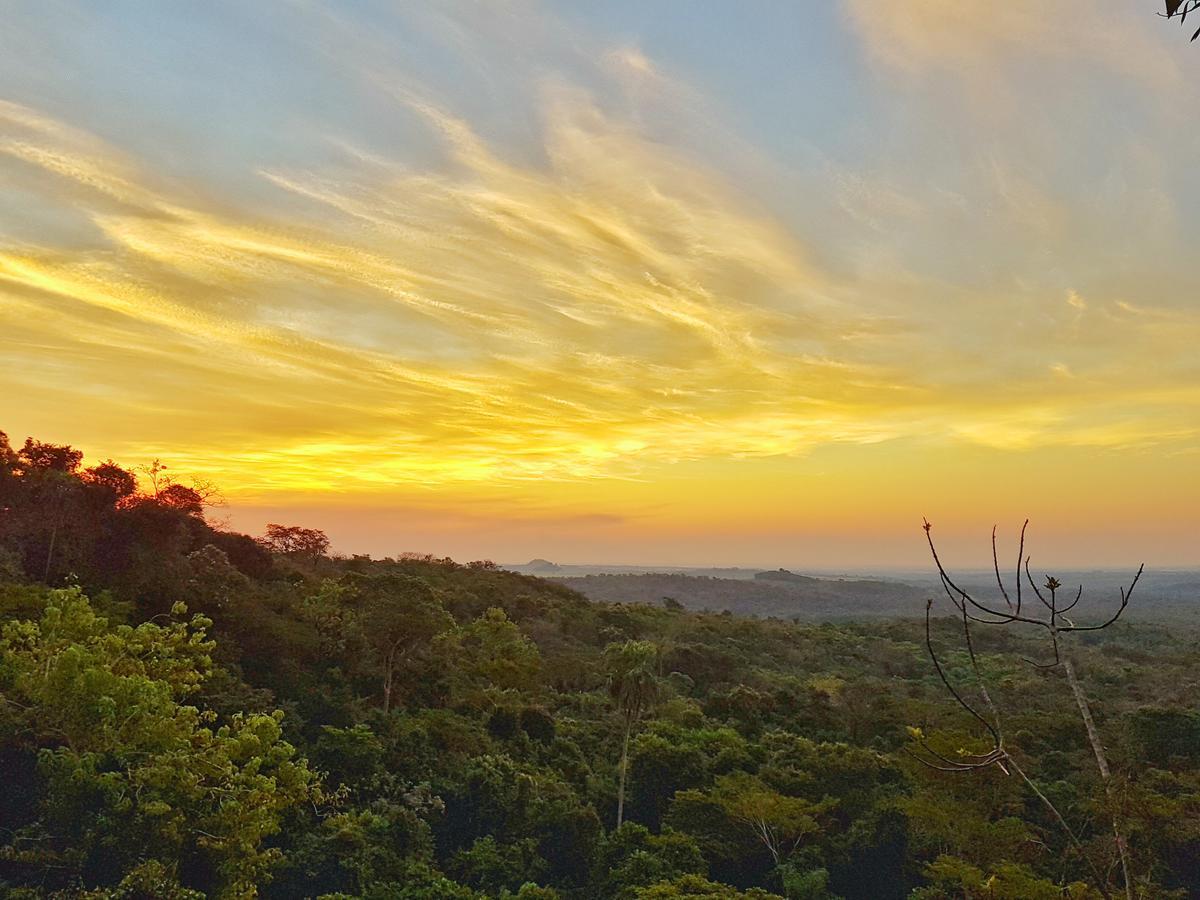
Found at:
<point>624,770</point>
<point>57,522</point>
<point>764,833</point>
<point>50,552</point>
<point>1085,711</point>
<point>395,655</point>
<point>389,666</point>
<point>1058,817</point>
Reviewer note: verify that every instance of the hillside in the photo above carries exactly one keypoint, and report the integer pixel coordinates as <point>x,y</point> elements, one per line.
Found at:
<point>190,712</point>
<point>797,598</point>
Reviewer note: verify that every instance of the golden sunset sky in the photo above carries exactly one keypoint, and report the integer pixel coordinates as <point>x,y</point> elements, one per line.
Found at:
<point>673,282</point>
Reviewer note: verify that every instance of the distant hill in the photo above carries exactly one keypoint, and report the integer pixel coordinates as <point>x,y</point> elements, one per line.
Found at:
<point>781,594</point>
<point>567,570</point>
<point>1162,595</point>
<point>785,575</point>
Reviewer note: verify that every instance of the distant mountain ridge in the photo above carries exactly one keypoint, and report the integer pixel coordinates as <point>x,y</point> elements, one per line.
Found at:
<point>543,567</point>
<point>780,594</point>
<point>1166,595</point>
<point>785,575</point>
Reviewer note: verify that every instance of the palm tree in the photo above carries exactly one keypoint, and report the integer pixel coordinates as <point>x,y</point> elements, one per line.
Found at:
<point>633,684</point>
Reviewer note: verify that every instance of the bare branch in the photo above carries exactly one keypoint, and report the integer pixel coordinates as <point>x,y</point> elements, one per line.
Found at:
<point>1055,624</point>
<point>1070,606</point>
<point>1125,595</point>
<point>1033,585</point>
<point>1020,553</point>
<point>948,583</point>
<point>946,681</point>
<point>996,566</point>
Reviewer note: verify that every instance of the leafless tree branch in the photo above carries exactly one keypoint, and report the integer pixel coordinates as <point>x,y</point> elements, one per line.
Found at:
<point>1055,623</point>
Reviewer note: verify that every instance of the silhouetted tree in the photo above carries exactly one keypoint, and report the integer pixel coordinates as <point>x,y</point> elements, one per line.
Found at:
<point>1180,9</point>
<point>37,456</point>
<point>154,473</point>
<point>291,540</point>
<point>184,499</point>
<point>117,483</point>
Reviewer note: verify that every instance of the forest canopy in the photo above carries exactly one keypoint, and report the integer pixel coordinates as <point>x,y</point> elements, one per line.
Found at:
<point>186,711</point>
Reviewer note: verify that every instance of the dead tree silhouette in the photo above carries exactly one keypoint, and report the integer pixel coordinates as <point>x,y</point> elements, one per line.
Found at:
<point>1055,622</point>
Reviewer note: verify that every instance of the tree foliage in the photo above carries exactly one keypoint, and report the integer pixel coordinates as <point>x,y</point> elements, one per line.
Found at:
<point>462,731</point>
<point>130,769</point>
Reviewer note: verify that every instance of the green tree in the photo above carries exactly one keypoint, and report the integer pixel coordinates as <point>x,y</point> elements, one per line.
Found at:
<point>953,878</point>
<point>659,765</point>
<point>632,669</point>
<point>130,770</point>
<point>697,886</point>
<point>395,617</point>
<point>780,822</point>
<point>631,857</point>
<point>494,867</point>
<point>491,652</point>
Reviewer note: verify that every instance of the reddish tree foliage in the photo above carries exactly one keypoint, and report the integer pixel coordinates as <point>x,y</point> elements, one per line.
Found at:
<point>184,499</point>
<point>37,456</point>
<point>295,541</point>
<point>115,481</point>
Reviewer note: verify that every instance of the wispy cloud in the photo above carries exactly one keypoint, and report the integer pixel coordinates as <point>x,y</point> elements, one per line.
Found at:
<point>503,322</point>
<point>593,298</point>
<point>970,41</point>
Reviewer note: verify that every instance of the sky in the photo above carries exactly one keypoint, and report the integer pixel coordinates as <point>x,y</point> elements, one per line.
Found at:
<point>754,283</point>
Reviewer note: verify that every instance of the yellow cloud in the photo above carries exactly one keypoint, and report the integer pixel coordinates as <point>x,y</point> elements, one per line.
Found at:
<point>502,324</point>
<point>615,309</point>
